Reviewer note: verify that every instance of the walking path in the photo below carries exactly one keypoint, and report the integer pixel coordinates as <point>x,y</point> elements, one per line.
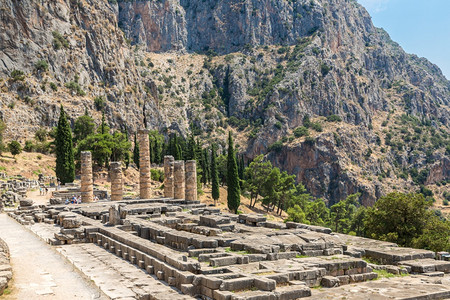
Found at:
<point>39,272</point>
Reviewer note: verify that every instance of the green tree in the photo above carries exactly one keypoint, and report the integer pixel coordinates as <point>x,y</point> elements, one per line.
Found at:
<point>84,126</point>
<point>398,218</point>
<point>15,148</point>
<point>342,213</point>
<point>136,152</point>
<point>65,166</point>
<point>435,236</point>
<point>234,191</point>
<point>357,223</point>
<point>296,214</point>
<point>256,174</point>
<point>317,213</point>
<point>214,175</point>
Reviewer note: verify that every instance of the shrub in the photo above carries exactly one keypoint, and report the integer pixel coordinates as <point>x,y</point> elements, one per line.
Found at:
<point>99,103</point>
<point>29,147</point>
<point>157,175</point>
<point>53,86</point>
<point>17,75</point>
<point>41,65</point>
<point>445,202</point>
<point>15,148</point>
<point>59,41</point>
<point>334,118</point>
<point>301,131</point>
<point>277,146</point>
<point>324,69</point>
<point>317,127</point>
<point>75,87</point>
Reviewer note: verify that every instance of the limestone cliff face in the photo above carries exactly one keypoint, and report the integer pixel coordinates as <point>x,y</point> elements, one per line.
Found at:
<point>278,61</point>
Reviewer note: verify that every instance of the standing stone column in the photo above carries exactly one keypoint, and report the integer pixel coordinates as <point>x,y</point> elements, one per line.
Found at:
<point>87,187</point>
<point>178,179</point>
<point>116,181</point>
<point>144,164</point>
<point>168,176</point>
<point>191,180</point>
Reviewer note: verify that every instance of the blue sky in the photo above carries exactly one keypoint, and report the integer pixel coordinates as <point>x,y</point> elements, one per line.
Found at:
<point>421,27</point>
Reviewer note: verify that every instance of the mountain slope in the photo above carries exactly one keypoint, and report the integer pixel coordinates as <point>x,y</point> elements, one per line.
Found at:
<point>262,68</point>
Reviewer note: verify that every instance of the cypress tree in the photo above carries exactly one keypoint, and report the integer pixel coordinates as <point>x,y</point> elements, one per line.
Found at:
<point>157,151</point>
<point>234,191</point>
<point>191,148</point>
<point>214,175</point>
<point>127,153</point>
<point>103,125</point>
<point>65,166</point>
<point>207,169</point>
<point>136,151</point>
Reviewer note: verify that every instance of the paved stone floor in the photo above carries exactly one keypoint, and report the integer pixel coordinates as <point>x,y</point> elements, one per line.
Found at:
<point>39,272</point>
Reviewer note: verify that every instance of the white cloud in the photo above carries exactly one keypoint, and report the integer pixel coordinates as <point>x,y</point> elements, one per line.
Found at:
<point>374,5</point>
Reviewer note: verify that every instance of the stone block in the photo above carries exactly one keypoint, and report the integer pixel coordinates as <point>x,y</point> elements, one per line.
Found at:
<point>329,281</point>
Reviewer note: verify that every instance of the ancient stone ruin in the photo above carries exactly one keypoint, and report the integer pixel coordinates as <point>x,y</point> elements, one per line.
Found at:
<point>87,188</point>
<point>199,252</point>
<point>144,165</point>
<point>5,268</point>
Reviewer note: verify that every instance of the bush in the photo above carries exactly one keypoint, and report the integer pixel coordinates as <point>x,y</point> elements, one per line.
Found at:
<point>301,131</point>
<point>99,103</point>
<point>334,118</point>
<point>445,202</point>
<point>15,148</point>
<point>17,75</point>
<point>41,65</point>
<point>59,41</point>
<point>53,86</point>
<point>277,146</point>
<point>75,87</point>
<point>157,175</point>
<point>317,127</point>
<point>29,147</point>
<point>324,69</point>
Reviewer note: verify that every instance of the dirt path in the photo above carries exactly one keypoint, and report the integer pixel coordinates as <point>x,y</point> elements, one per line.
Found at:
<point>39,272</point>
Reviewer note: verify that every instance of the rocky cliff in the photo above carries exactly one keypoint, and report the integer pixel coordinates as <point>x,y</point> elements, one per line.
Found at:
<point>377,115</point>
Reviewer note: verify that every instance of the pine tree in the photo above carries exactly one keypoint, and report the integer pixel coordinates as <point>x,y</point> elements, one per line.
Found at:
<point>65,166</point>
<point>136,152</point>
<point>234,191</point>
<point>214,175</point>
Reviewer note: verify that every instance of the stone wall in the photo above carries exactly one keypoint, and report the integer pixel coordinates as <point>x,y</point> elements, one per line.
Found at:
<point>5,268</point>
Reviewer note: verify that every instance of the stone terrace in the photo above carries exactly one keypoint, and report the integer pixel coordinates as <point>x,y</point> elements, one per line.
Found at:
<point>199,252</point>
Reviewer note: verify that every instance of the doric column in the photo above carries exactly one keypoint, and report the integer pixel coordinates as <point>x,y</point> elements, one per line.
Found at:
<point>191,180</point>
<point>144,164</point>
<point>178,178</point>
<point>168,176</point>
<point>116,181</point>
<point>87,187</point>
